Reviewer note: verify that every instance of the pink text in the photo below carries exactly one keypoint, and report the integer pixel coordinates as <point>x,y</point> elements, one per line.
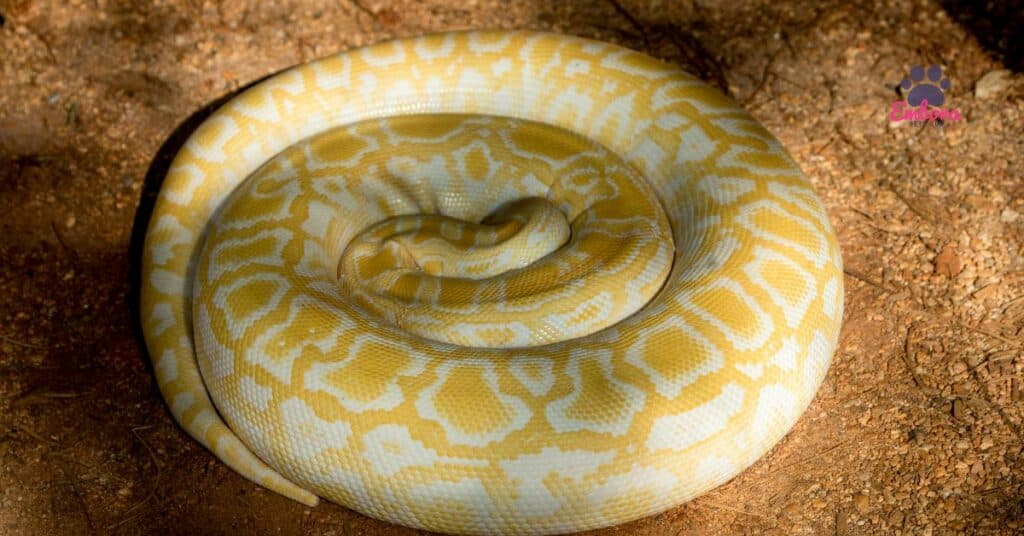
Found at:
<point>902,112</point>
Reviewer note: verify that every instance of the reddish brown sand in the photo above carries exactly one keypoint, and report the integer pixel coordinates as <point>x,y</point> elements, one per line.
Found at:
<point>916,430</point>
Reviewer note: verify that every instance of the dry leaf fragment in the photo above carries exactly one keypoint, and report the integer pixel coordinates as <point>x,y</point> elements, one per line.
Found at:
<point>947,262</point>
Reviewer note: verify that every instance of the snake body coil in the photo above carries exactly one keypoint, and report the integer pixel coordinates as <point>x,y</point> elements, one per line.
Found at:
<point>488,282</point>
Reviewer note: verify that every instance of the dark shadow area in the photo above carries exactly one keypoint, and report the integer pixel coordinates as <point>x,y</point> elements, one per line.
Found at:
<point>995,24</point>
<point>151,185</point>
<point>669,41</point>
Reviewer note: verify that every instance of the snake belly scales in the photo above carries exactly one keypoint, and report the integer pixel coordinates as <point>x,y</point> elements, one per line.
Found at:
<point>488,282</point>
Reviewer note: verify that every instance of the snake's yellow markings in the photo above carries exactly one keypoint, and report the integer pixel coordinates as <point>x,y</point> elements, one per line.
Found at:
<point>489,282</point>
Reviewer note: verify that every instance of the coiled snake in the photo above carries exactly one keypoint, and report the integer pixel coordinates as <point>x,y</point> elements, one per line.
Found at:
<point>488,282</point>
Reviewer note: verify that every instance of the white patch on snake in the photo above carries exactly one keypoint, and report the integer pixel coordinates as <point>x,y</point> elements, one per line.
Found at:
<point>410,171</point>
<point>750,370</point>
<point>167,366</point>
<point>639,481</point>
<point>255,394</point>
<point>367,85</point>
<point>490,46</point>
<point>433,97</point>
<point>400,91</point>
<point>671,121</point>
<point>711,259</point>
<point>558,411</point>
<point>617,112</point>
<point>658,263</point>
<point>694,145</point>
<point>755,134</point>
<point>318,220</point>
<point>272,256</point>
<point>468,497</point>
<point>785,357</point>
<point>209,141</point>
<point>175,234</point>
<point>535,373</point>
<point>333,72</point>
<point>714,469</point>
<point>383,54</point>
<point>220,358</point>
<point>577,67</point>
<point>438,50</point>
<point>570,103</point>
<point>167,282</point>
<point>803,196</point>
<point>681,91</point>
<point>370,497</point>
<point>161,317</point>
<point>528,472</point>
<point>182,182</point>
<point>793,294</point>
<point>181,403</point>
<point>595,48</point>
<point>831,299</point>
<point>819,357</point>
<point>812,246</point>
<point>725,190</point>
<point>649,157</point>
<point>615,61</point>
<point>586,317</point>
<point>254,107</point>
<point>290,81</point>
<point>483,333</point>
<point>739,156</point>
<point>205,419</point>
<point>681,431</point>
<point>314,271</point>
<point>774,414</point>
<point>308,434</point>
<point>470,83</point>
<point>389,448</point>
<point>345,202</point>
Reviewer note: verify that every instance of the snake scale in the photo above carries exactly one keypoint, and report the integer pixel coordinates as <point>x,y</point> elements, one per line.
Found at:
<point>488,282</point>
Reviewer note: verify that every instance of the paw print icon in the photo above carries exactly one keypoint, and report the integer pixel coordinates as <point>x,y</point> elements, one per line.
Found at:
<point>925,85</point>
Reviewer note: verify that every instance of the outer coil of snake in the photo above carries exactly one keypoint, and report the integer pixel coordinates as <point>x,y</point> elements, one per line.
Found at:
<point>489,282</point>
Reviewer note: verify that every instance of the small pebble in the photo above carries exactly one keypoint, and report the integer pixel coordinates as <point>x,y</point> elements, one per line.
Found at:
<point>860,502</point>
<point>947,262</point>
<point>992,84</point>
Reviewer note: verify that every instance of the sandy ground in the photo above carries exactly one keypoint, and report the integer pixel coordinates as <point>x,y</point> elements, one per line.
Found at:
<point>916,430</point>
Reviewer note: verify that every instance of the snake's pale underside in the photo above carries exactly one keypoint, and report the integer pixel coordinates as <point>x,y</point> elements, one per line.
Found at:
<point>488,282</point>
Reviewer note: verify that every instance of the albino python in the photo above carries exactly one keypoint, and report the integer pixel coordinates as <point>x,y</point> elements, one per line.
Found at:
<point>488,282</point>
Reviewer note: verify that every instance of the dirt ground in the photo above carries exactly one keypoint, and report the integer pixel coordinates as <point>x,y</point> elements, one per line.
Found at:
<point>916,430</point>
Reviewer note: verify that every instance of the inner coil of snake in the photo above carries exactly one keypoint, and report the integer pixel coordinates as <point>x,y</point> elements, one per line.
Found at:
<point>489,282</point>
